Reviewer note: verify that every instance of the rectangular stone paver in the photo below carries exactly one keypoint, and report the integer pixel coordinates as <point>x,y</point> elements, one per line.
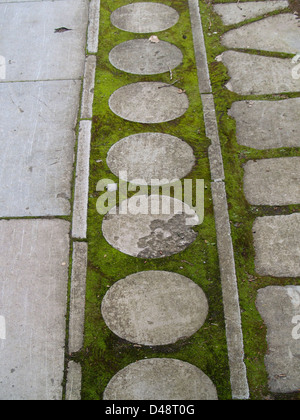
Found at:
<point>43,54</point>
<point>37,139</point>
<point>258,75</point>
<point>280,309</point>
<point>277,245</point>
<point>273,182</point>
<point>267,124</point>
<point>34,259</point>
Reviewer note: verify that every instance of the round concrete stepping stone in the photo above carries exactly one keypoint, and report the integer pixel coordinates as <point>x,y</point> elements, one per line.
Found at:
<point>144,17</point>
<point>276,33</point>
<point>233,13</point>
<point>154,308</point>
<point>277,245</point>
<point>267,124</point>
<point>273,182</point>
<point>160,379</point>
<point>140,56</point>
<point>148,102</point>
<point>257,75</point>
<point>133,230</point>
<point>151,156</point>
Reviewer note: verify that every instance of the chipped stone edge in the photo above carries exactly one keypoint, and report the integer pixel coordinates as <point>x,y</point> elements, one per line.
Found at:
<point>232,312</point>
<point>80,208</point>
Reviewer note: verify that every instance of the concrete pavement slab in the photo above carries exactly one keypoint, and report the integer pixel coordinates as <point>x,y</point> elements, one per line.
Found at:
<point>43,52</point>
<point>277,245</point>
<point>273,182</point>
<point>151,156</point>
<point>233,13</point>
<point>280,309</point>
<point>257,75</point>
<point>279,33</point>
<point>34,259</point>
<point>267,124</point>
<point>37,147</point>
<point>160,379</point>
<point>144,17</point>
<point>154,308</point>
<point>141,56</point>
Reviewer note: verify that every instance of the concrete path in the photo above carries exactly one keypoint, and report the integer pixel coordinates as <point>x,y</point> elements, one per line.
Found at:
<point>42,63</point>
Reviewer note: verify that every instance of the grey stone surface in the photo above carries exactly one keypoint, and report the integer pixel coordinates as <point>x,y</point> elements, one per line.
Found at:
<point>149,102</point>
<point>144,17</point>
<point>267,124</point>
<point>34,259</point>
<point>149,156</point>
<point>277,245</point>
<point>88,87</point>
<point>73,387</point>
<point>37,125</point>
<point>273,182</point>
<point>80,205</point>
<point>154,308</point>
<point>276,33</point>
<point>77,296</point>
<point>257,75</point>
<point>150,227</point>
<point>93,28</point>
<point>141,56</point>
<point>280,309</point>
<point>233,13</point>
<point>160,379</point>
<point>43,54</point>
<point>232,312</point>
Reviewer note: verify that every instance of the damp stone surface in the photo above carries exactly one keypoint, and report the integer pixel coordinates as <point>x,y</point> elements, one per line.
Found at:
<point>144,17</point>
<point>154,308</point>
<point>150,226</point>
<point>149,102</point>
<point>267,124</point>
<point>141,56</point>
<point>151,156</point>
<point>160,379</point>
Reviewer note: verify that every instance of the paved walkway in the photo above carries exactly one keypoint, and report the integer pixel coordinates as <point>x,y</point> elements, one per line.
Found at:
<point>43,212</point>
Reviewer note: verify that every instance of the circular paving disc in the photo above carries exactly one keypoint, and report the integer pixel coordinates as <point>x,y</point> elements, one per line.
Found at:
<point>160,379</point>
<point>151,156</point>
<point>140,56</point>
<point>154,308</point>
<point>144,17</point>
<point>149,102</point>
<point>141,228</point>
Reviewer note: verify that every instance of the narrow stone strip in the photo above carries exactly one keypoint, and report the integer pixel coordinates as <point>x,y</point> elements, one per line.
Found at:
<point>93,29</point>
<point>88,87</point>
<point>234,335</point>
<point>73,388</point>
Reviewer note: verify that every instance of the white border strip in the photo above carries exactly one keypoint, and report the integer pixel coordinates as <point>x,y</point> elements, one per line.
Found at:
<point>234,334</point>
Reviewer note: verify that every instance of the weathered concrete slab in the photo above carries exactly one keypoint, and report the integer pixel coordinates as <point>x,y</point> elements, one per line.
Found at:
<point>154,308</point>
<point>233,13</point>
<point>273,182</point>
<point>151,156</point>
<point>37,141</point>
<point>149,102</point>
<point>267,124</point>
<point>150,227</point>
<point>277,245</point>
<point>160,379</point>
<point>44,54</point>
<point>144,17</point>
<point>280,33</point>
<point>141,56</point>
<point>34,259</point>
<point>280,309</point>
<point>257,75</point>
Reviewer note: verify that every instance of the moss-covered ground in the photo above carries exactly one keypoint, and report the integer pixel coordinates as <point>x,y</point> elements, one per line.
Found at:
<point>104,354</point>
